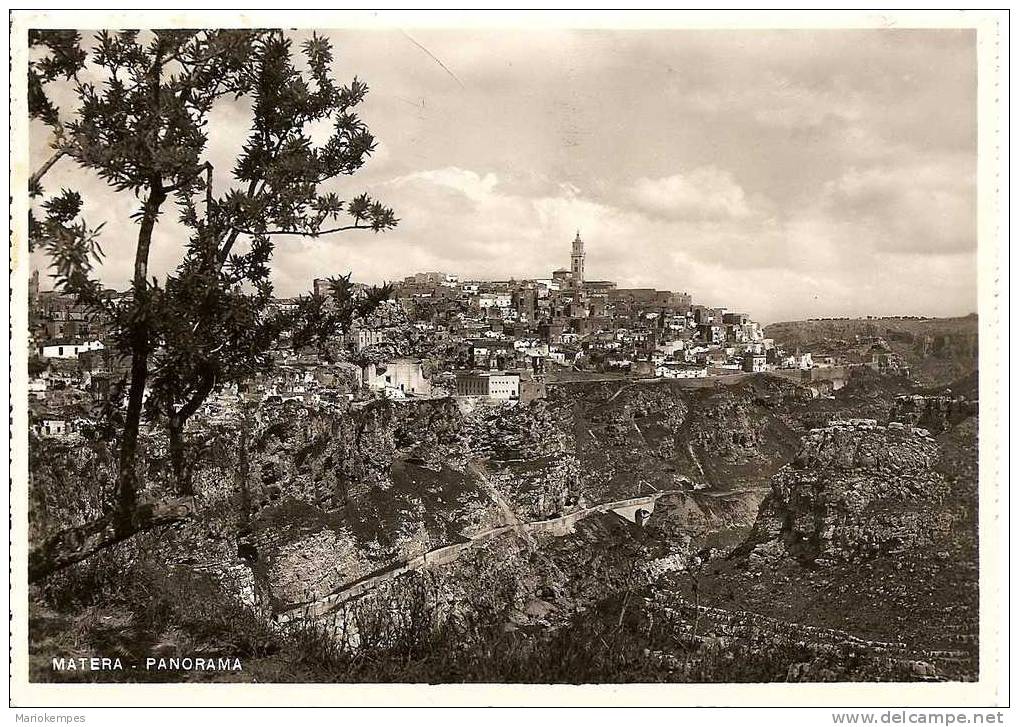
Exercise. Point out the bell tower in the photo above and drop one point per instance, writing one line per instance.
(577, 260)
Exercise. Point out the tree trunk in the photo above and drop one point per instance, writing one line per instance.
(127, 518)
(175, 427)
(77, 543)
(243, 469)
(127, 486)
(176, 420)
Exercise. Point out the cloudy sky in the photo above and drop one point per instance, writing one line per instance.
(789, 174)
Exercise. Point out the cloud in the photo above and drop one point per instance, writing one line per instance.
(705, 192)
(470, 184)
(785, 173)
(823, 257)
(923, 207)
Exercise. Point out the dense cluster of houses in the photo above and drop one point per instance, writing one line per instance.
(538, 328)
(482, 342)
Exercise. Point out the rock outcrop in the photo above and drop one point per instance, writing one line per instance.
(518, 432)
(855, 488)
(934, 413)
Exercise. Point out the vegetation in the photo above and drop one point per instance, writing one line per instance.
(183, 613)
(143, 130)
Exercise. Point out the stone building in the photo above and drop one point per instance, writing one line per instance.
(503, 386)
(755, 362)
(404, 375)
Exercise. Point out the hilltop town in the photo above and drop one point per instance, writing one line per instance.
(488, 467)
(325, 384)
(481, 342)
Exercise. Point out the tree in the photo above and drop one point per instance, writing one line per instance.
(144, 131)
(64, 59)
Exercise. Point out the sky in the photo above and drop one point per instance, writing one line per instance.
(786, 174)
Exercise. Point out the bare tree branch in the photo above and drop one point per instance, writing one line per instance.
(33, 181)
(306, 233)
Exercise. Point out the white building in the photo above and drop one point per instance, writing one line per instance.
(403, 375)
(37, 387)
(368, 337)
(68, 349)
(681, 371)
(504, 386)
(52, 428)
(755, 362)
(546, 286)
(670, 348)
(494, 300)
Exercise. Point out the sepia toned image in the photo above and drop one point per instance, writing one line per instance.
(551, 354)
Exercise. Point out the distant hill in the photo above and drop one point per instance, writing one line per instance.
(819, 330)
(938, 350)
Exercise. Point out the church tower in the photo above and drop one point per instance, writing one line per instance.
(577, 259)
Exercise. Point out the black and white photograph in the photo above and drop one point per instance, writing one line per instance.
(589, 350)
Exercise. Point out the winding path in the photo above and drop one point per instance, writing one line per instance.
(449, 553)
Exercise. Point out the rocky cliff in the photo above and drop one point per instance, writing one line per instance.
(854, 488)
(664, 435)
(867, 531)
(935, 413)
